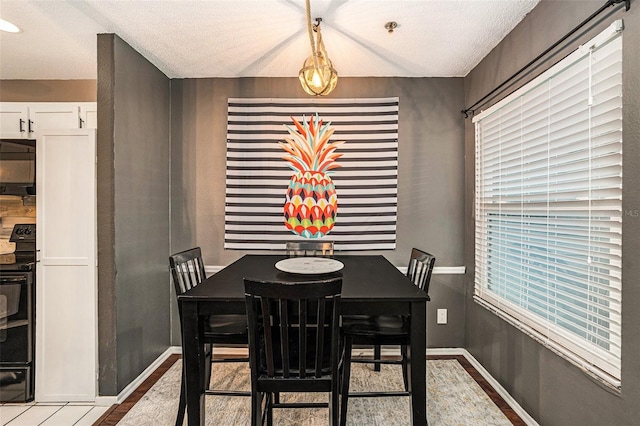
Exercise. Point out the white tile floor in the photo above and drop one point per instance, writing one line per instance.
(36, 414)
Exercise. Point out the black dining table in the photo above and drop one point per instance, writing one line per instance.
(371, 286)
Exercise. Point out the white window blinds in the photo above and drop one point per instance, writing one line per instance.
(548, 206)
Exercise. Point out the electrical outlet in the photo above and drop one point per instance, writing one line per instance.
(442, 316)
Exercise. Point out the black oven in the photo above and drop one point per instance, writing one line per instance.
(17, 317)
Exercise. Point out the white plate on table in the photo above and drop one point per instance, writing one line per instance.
(309, 265)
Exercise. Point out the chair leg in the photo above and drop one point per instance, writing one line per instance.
(334, 406)
(405, 377)
(346, 376)
(208, 360)
(182, 405)
(256, 409)
(269, 409)
(377, 354)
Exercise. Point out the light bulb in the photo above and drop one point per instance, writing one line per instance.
(316, 79)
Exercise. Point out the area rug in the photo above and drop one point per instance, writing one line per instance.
(453, 398)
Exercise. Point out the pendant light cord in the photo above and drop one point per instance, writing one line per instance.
(313, 45)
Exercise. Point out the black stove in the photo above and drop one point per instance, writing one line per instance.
(17, 317)
(24, 257)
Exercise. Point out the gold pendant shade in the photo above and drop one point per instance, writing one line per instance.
(318, 80)
(317, 76)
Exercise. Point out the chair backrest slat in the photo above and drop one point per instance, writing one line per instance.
(420, 268)
(284, 341)
(302, 337)
(268, 333)
(306, 326)
(320, 335)
(187, 269)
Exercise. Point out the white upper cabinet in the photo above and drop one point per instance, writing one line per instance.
(54, 116)
(21, 120)
(14, 118)
(88, 115)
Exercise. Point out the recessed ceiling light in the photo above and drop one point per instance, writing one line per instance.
(8, 27)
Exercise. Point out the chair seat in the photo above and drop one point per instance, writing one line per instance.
(375, 326)
(227, 326)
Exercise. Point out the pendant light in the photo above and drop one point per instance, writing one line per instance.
(317, 76)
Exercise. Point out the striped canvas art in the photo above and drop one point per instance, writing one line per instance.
(258, 177)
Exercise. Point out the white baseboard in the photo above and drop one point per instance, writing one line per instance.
(106, 401)
(448, 351)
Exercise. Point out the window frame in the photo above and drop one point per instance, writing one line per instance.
(498, 244)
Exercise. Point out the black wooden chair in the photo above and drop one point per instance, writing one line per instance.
(382, 330)
(310, 248)
(187, 271)
(293, 343)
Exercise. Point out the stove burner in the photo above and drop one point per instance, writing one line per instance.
(23, 232)
(24, 256)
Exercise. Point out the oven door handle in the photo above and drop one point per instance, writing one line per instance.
(12, 280)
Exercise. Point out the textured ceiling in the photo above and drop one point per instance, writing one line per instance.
(256, 38)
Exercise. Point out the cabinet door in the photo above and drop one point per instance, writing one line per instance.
(66, 294)
(88, 115)
(54, 116)
(13, 120)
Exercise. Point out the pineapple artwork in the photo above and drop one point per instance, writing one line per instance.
(311, 203)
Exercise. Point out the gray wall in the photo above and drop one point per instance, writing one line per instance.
(549, 388)
(430, 181)
(133, 221)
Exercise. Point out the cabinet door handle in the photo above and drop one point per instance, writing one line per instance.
(81, 123)
(30, 129)
(21, 125)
